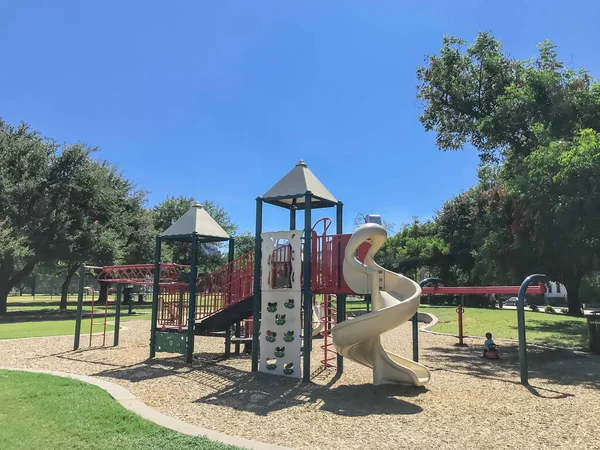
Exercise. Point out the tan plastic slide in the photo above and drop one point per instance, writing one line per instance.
(395, 300)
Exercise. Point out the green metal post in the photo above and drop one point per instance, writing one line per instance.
(415, 320)
(256, 304)
(118, 314)
(192, 303)
(307, 287)
(79, 306)
(230, 258)
(293, 218)
(341, 298)
(231, 254)
(155, 293)
(228, 342)
(521, 324)
(237, 334)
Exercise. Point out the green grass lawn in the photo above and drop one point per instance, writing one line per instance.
(17, 330)
(39, 411)
(49, 328)
(47, 303)
(540, 327)
(40, 316)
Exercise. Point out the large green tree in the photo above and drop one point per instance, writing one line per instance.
(108, 222)
(477, 95)
(61, 207)
(508, 109)
(244, 243)
(560, 194)
(31, 225)
(416, 245)
(88, 198)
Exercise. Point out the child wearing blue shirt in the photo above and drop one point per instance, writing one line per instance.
(489, 344)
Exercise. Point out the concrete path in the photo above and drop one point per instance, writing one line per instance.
(130, 402)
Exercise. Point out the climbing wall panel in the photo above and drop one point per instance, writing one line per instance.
(281, 318)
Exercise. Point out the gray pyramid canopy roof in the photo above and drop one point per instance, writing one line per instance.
(290, 190)
(196, 220)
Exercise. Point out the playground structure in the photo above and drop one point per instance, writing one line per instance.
(290, 289)
(274, 290)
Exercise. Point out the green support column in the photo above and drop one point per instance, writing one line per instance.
(307, 286)
(341, 298)
(118, 314)
(192, 303)
(230, 258)
(155, 293)
(521, 324)
(256, 304)
(293, 218)
(237, 334)
(415, 320)
(231, 253)
(79, 306)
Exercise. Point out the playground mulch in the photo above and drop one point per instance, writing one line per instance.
(470, 403)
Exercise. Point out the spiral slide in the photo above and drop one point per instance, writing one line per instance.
(395, 300)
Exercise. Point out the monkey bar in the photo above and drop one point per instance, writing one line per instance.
(501, 290)
(141, 273)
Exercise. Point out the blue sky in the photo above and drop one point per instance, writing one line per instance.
(218, 100)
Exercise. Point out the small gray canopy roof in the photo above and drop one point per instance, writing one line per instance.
(196, 220)
(290, 190)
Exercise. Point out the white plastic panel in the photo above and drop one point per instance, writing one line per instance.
(281, 318)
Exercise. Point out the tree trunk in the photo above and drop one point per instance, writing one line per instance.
(21, 289)
(573, 296)
(3, 300)
(7, 282)
(103, 294)
(64, 289)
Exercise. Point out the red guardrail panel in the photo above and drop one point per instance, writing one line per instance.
(225, 286)
(327, 267)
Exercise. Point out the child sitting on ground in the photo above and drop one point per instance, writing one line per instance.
(489, 344)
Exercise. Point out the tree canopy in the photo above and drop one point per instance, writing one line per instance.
(534, 124)
(61, 207)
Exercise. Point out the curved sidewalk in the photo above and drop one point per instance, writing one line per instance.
(130, 402)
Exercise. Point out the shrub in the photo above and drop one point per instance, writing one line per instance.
(549, 309)
(564, 310)
(534, 308)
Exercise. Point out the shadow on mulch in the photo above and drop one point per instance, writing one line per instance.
(555, 366)
(262, 393)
